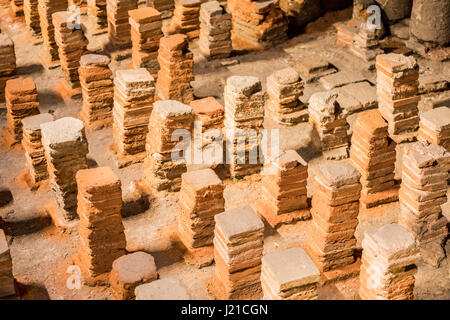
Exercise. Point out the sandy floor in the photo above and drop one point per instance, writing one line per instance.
(41, 258)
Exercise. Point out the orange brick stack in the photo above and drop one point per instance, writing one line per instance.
(7, 287)
(46, 8)
(22, 101)
(284, 197)
(118, 25)
(258, 24)
(66, 150)
(388, 264)
(146, 33)
(185, 18)
(397, 91)
(285, 87)
(215, 31)
(372, 152)
(434, 127)
(209, 113)
(32, 144)
(177, 69)
(17, 7)
(201, 198)
(97, 91)
(96, 10)
(161, 170)
(100, 226)
(8, 62)
(72, 44)
(32, 21)
(422, 193)
(134, 93)
(238, 249)
(335, 208)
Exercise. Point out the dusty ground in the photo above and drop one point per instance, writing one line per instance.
(41, 258)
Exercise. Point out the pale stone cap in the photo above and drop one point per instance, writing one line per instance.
(236, 222)
(164, 289)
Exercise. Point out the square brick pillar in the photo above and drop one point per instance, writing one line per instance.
(422, 193)
(100, 226)
(238, 249)
(373, 153)
(8, 66)
(389, 264)
(397, 92)
(97, 90)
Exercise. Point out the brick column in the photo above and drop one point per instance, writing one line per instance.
(284, 88)
(96, 10)
(118, 25)
(72, 44)
(422, 193)
(289, 275)
(161, 170)
(49, 54)
(434, 127)
(238, 248)
(134, 93)
(66, 148)
(335, 207)
(177, 69)
(8, 65)
(215, 31)
(373, 153)
(97, 90)
(32, 20)
(22, 101)
(244, 117)
(330, 121)
(397, 89)
(201, 198)
(146, 33)
(34, 150)
(164, 6)
(100, 226)
(6, 275)
(284, 195)
(388, 264)
(185, 18)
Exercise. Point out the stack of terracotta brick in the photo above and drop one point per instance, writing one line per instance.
(32, 144)
(165, 162)
(72, 44)
(284, 88)
(146, 33)
(289, 275)
(7, 287)
(389, 259)
(97, 91)
(434, 127)
(8, 65)
(397, 91)
(164, 6)
(46, 8)
(134, 93)
(335, 208)
(330, 121)
(244, 117)
(258, 24)
(177, 69)
(22, 101)
(96, 10)
(238, 249)
(210, 114)
(118, 24)
(201, 198)
(130, 271)
(373, 153)
(284, 194)
(215, 31)
(100, 226)
(17, 8)
(185, 18)
(32, 21)
(66, 149)
(422, 193)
